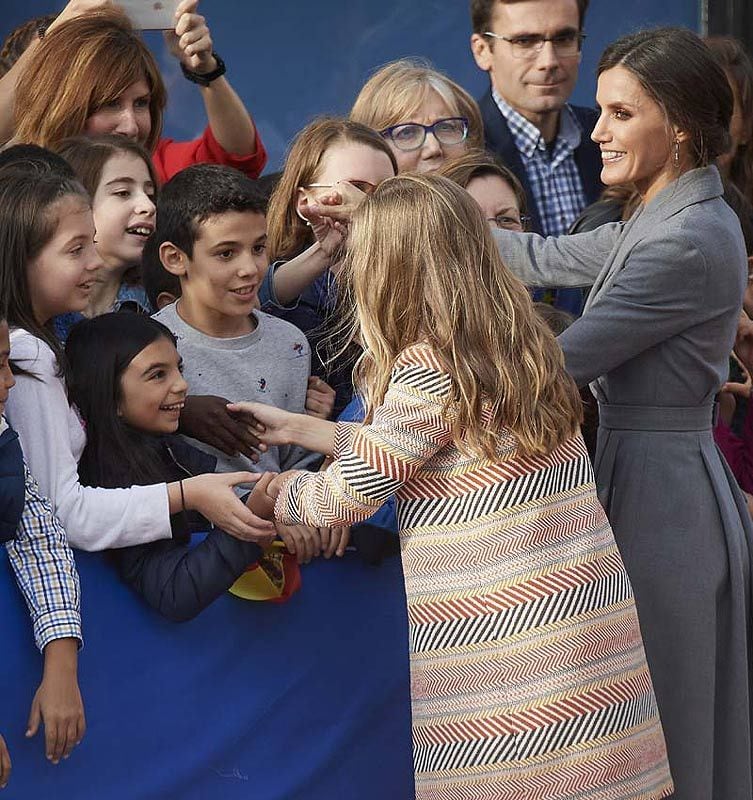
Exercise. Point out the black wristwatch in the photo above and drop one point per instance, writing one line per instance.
(205, 78)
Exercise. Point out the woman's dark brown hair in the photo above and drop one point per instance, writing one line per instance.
(678, 71)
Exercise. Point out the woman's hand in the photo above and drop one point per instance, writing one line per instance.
(207, 419)
(191, 41)
(744, 342)
(5, 765)
(261, 503)
(57, 701)
(212, 496)
(320, 398)
(273, 426)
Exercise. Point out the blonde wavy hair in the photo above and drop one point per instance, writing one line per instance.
(422, 267)
(395, 92)
(78, 67)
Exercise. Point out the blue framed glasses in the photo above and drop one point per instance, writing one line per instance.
(412, 135)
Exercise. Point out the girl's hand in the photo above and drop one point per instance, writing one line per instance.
(5, 765)
(320, 398)
(206, 418)
(58, 702)
(212, 495)
(334, 541)
(302, 541)
(191, 41)
(271, 425)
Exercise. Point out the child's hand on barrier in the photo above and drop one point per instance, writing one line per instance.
(5, 765)
(320, 398)
(206, 418)
(58, 702)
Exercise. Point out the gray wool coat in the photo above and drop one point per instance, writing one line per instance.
(654, 343)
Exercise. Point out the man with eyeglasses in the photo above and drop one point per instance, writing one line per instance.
(531, 50)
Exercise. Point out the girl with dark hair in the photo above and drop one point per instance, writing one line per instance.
(654, 343)
(48, 265)
(118, 175)
(126, 381)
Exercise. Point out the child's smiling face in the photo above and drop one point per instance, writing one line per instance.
(153, 390)
(220, 282)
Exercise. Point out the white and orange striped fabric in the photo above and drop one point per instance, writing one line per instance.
(528, 675)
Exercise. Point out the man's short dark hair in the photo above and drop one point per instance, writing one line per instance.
(197, 194)
(482, 10)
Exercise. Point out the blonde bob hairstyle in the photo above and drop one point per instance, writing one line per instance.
(422, 267)
(396, 92)
(287, 234)
(78, 67)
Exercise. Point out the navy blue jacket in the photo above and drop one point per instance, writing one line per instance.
(175, 579)
(499, 140)
(12, 484)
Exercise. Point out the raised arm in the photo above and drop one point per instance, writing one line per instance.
(372, 462)
(228, 118)
(567, 261)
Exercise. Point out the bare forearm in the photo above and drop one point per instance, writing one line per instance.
(228, 118)
(311, 433)
(293, 277)
(61, 655)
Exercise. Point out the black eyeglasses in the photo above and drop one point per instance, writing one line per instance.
(412, 135)
(509, 223)
(529, 45)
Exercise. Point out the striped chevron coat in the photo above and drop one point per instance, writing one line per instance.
(528, 674)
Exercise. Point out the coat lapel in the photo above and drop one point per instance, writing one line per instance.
(694, 186)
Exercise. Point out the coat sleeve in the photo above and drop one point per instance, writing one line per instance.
(374, 461)
(563, 261)
(179, 582)
(656, 295)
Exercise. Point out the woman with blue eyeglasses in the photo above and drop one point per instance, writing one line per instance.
(425, 117)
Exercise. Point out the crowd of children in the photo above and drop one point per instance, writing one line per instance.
(214, 379)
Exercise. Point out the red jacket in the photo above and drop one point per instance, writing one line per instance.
(171, 157)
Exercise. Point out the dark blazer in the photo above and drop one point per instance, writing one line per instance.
(499, 140)
(12, 486)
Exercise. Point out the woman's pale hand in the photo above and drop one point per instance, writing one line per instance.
(261, 503)
(302, 541)
(212, 496)
(190, 41)
(334, 541)
(271, 425)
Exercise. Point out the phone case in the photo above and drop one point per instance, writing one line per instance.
(150, 15)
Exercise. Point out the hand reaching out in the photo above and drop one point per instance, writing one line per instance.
(190, 41)
(207, 419)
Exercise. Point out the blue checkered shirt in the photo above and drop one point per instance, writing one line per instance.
(45, 570)
(553, 174)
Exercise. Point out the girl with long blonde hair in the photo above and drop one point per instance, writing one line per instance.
(510, 564)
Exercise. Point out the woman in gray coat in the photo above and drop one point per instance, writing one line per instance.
(654, 342)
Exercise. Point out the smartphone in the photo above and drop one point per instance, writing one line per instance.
(150, 15)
